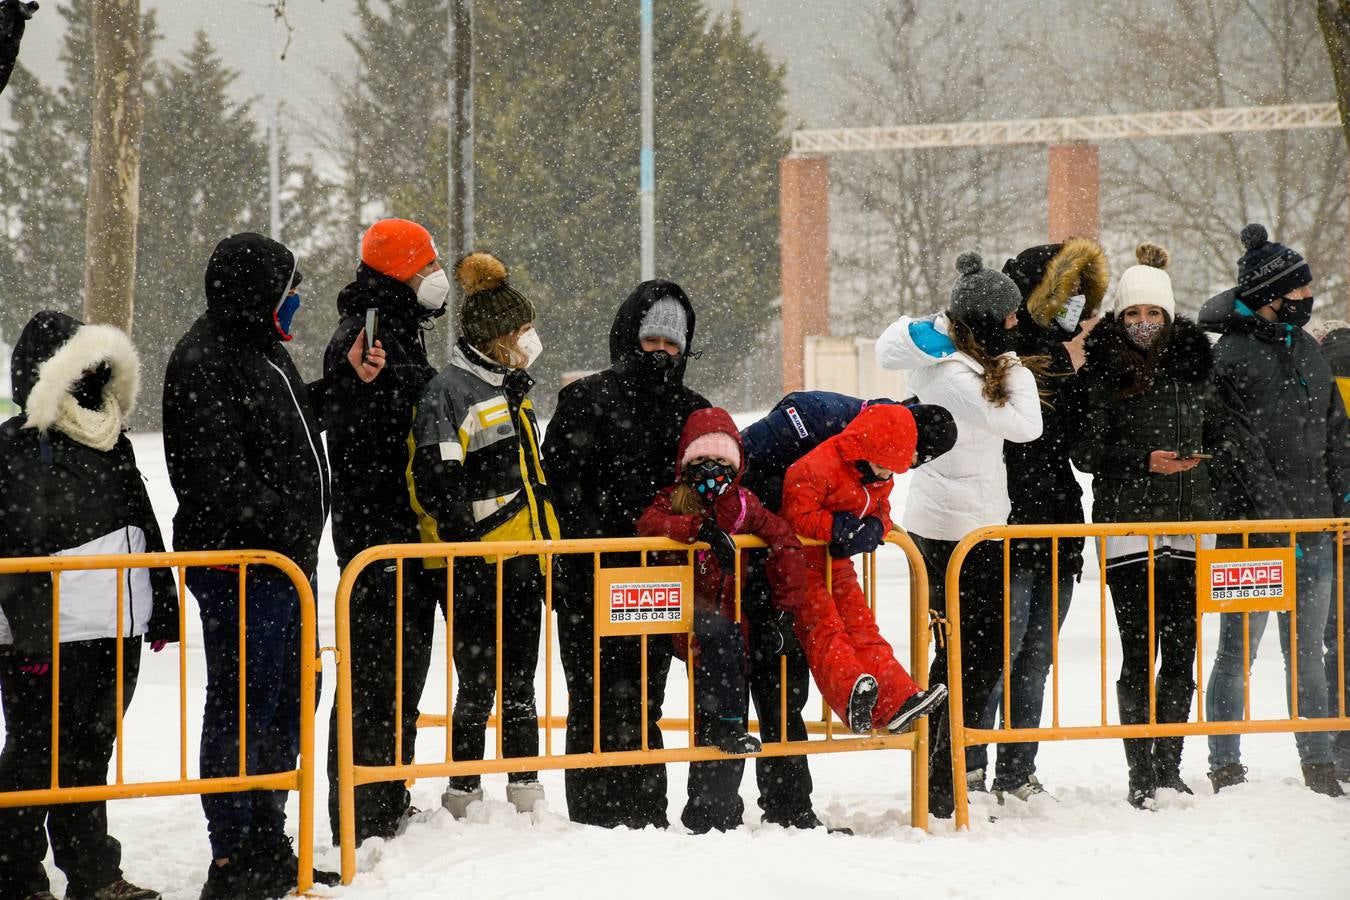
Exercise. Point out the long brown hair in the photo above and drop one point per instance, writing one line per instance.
(505, 350)
(684, 501)
(996, 368)
(1141, 364)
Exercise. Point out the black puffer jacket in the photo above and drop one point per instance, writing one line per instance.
(63, 496)
(241, 436)
(1130, 413)
(368, 423)
(611, 444)
(1292, 438)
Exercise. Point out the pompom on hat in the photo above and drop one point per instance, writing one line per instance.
(1147, 284)
(1268, 270)
(491, 307)
(397, 248)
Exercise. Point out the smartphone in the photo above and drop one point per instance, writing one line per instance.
(372, 323)
(1197, 456)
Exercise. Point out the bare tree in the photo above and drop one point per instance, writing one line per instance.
(1334, 18)
(114, 164)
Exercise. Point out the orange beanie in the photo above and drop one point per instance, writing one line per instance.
(397, 248)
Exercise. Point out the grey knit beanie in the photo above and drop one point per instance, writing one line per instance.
(665, 319)
(981, 293)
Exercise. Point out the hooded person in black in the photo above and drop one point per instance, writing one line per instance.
(14, 16)
(246, 461)
(368, 423)
(609, 449)
(71, 486)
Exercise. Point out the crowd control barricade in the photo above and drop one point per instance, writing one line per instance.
(1240, 580)
(834, 736)
(300, 779)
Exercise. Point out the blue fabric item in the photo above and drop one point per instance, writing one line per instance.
(931, 341)
(285, 313)
(798, 424)
(1242, 308)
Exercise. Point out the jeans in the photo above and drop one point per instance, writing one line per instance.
(1223, 700)
(81, 845)
(272, 683)
(1029, 649)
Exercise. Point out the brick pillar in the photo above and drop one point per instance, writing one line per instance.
(1074, 207)
(804, 210)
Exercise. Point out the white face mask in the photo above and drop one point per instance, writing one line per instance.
(433, 290)
(529, 344)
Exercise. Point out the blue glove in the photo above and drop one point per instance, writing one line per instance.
(851, 535)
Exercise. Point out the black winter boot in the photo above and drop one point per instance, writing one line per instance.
(1321, 778)
(1227, 776)
(277, 868)
(234, 881)
(729, 736)
(861, 703)
(1142, 789)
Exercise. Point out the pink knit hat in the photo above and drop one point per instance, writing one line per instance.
(713, 444)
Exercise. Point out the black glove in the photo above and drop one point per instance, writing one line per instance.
(851, 535)
(773, 633)
(722, 545)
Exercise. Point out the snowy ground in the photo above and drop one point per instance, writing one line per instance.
(1269, 838)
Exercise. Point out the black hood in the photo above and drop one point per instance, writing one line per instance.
(247, 276)
(1336, 349)
(44, 334)
(1220, 314)
(1186, 354)
(624, 347)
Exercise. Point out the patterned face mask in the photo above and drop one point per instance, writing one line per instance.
(1143, 334)
(709, 478)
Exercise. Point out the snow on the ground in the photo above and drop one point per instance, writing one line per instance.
(1269, 838)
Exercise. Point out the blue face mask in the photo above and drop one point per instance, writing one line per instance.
(285, 314)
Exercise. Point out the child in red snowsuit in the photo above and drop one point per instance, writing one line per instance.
(840, 492)
(708, 504)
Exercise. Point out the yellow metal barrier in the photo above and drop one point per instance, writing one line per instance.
(963, 737)
(351, 775)
(300, 779)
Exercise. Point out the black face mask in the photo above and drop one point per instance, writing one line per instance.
(709, 478)
(88, 391)
(656, 367)
(1295, 312)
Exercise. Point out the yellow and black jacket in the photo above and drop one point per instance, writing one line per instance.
(474, 472)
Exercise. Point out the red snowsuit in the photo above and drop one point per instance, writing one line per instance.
(839, 633)
(737, 511)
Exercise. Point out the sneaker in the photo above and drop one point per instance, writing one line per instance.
(121, 889)
(918, 705)
(458, 800)
(1321, 778)
(975, 781)
(730, 736)
(523, 795)
(1172, 782)
(861, 703)
(1227, 776)
(1032, 788)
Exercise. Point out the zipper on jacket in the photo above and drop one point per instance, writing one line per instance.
(309, 437)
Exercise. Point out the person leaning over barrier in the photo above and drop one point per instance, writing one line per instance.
(1291, 460)
(71, 486)
(476, 476)
(610, 447)
(367, 423)
(247, 464)
(1154, 438)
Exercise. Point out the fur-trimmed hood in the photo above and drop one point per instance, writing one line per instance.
(53, 353)
(1187, 355)
(1046, 276)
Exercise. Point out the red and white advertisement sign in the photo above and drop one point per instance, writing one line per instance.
(647, 601)
(1258, 579)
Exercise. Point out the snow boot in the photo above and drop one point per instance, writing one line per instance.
(1227, 776)
(729, 736)
(458, 800)
(121, 889)
(235, 880)
(1142, 790)
(276, 867)
(861, 703)
(975, 781)
(523, 795)
(1171, 781)
(919, 704)
(1321, 777)
(1024, 792)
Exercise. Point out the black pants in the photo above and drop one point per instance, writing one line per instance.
(475, 649)
(1174, 624)
(634, 796)
(380, 806)
(981, 651)
(784, 781)
(81, 845)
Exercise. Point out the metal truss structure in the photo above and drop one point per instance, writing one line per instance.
(1088, 129)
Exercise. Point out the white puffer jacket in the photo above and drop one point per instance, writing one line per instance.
(967, 487)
